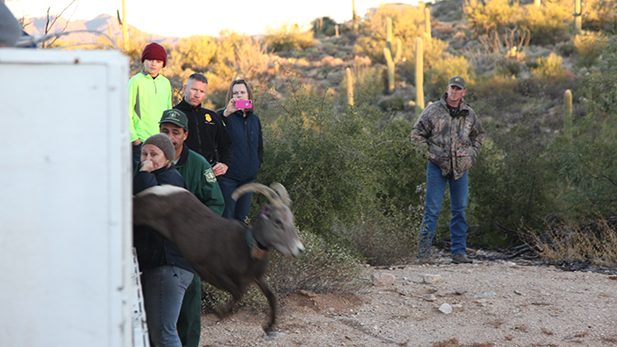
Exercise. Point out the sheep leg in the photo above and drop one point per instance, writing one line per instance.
(263, 286)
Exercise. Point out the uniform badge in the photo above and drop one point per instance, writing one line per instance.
(210, 176)
(208, 118)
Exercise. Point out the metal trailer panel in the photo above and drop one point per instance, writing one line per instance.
(65, 199)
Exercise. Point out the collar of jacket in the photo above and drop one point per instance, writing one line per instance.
(183, 105)
(240, 114)
(184, 155)
(461, 106)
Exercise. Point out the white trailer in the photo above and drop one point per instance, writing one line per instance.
(65, 199)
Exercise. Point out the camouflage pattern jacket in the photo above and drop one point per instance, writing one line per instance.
(451, 142)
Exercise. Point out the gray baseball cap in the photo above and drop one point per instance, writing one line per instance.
(457, 81)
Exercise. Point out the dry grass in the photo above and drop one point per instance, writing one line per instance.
(595, 242)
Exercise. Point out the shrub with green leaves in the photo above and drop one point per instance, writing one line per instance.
(548, 24)
(407, 25)
(589, 46)
(491, 15)
(549, 68)
(288, 37)
(443, 68)
(323, 268)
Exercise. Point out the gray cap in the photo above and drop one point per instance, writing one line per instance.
(176, 117)
(457, 81)
(163, 142)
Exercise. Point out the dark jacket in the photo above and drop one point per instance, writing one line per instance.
(452, 141)
(152, 249)
(200, 179)
(208, 135)
(248, 146)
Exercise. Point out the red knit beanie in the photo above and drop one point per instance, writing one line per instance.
(154, 51)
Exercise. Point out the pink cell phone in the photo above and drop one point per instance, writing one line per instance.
(244, 104)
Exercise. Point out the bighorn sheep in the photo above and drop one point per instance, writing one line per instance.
(226, 253)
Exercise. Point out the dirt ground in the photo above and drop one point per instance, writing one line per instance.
(494, 303)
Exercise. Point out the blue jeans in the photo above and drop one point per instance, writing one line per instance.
(235, 209)
(164, 288)
(459, 192)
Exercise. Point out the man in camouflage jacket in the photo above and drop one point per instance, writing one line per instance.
(449, 134)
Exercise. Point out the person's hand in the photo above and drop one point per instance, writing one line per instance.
(147, 166)
(231, 108)
(137, 142)
(219, 169)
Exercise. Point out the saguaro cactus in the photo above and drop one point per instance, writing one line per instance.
(391, 59)
(427, 22)
(354, 16)
(419, 76)
(349, 87)
(578, 20)
(567, 122)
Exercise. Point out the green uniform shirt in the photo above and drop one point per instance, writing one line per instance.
(201, 181)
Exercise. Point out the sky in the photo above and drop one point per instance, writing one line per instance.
(182, 18)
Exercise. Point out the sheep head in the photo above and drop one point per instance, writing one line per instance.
(275, 225)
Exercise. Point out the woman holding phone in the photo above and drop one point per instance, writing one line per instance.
(245, 130)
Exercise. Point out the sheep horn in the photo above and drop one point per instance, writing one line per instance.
(282, 192)
(259, 188)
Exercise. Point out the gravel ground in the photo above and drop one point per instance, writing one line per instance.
(494, 303)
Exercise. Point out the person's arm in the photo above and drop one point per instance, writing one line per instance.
(209, 191)
(133, 109)
(224, 146)
(476, 135)
(260, 143)
(420, 133)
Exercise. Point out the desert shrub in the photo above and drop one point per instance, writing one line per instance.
(368, 83)
(323, 268)
(324, 26)
(196, 52)
(384, 240)
(565, 49)
(587, 165)
(547, 24)
(288, 37)
(600, 15)
(589, 46)
(508, 67)
(443, 68)
(491, 15)
(407, 23)
(432, 52)
(512, 183)
(317, 151)
(594, 241)
(549, 68)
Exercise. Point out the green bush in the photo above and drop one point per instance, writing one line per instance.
(323, 268)
(491, 15)
(548, 24)
(407, 25)
(589, 46)
(324, 26)
(288, 37)
(549, 68)
(443, 68)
